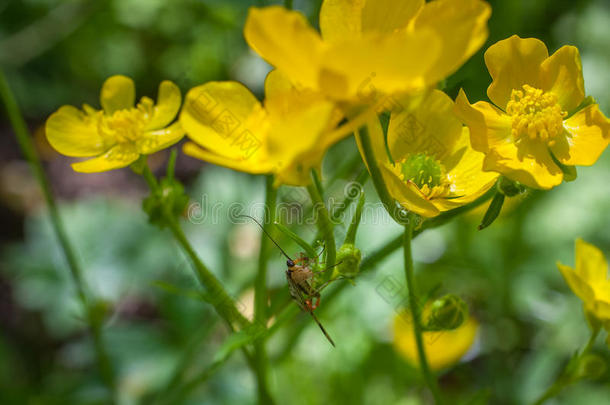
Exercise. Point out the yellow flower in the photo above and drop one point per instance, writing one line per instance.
(287, 136)
(443, 348)
(534, 123)
(120, 133)
(589, 280)
(370, 47)
(431, 167)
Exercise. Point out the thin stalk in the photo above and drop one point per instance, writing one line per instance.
(377, 178)
(325, 226)
(414, 305)
(218, 297)
(27, 147)
(260, 293)
(564, 379)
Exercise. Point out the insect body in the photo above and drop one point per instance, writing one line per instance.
(299, 276)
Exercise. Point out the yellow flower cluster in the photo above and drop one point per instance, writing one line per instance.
(371, 57)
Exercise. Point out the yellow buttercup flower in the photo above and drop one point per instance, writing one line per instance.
(535, 123)
(443, 348)
(120, 133)
(431, 167)
(589, 280)
(369, 48)
(286, 136)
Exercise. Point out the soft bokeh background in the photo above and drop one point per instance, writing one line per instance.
(59, 52)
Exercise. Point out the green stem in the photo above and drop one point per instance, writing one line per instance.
(325, 226)
(27, 147)
(565, 378)
(260, 293)
(218, 297)
(414, 305)
(377, 178)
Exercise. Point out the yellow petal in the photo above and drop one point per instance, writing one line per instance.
(586, 137)
(561, 74)
(168, 105)
(224, 118)
(341, 19)
(303, 150)
(242, 165)
(488, 125)
(433, 128)
(389, 15)
(285, 40)
(461, 26)
(467, 176)
(117, 157)
(277, 84)
(578, 286)
(74, 133)
(407, 194)
(154, 141)
(591, 265)
(512, 63)
(530, 164)
(365, 69)
(118, 93)
(443, 348)
(377, 141)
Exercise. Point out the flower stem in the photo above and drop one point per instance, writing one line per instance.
(377, 178)
(216, 294)
(414, 305)
(565, 378)
(325, 226)
(27, 147)
(260, 293)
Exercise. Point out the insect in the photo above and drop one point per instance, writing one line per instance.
(299, 276)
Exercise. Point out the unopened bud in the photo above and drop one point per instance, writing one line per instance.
(446, 313)
(349, 258)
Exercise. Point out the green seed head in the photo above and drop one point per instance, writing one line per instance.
(422, 169)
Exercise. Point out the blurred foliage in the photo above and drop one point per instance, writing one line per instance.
(59, 52)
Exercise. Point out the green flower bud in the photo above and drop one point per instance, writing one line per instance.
(590, 366)
(168, 198)
(349, 256)
(446, 313)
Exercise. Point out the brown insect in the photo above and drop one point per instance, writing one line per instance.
(300, 276)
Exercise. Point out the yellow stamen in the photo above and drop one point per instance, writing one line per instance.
(536, 115)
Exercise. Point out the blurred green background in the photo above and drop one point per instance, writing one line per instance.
(60, 52)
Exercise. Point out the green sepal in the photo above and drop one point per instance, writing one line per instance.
(493, 211)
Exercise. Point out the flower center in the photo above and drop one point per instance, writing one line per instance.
(123, 126)
(536, 115)
(422, 170)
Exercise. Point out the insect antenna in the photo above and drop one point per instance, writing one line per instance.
(269, 236)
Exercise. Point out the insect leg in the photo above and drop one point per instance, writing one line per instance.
(322, 328)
